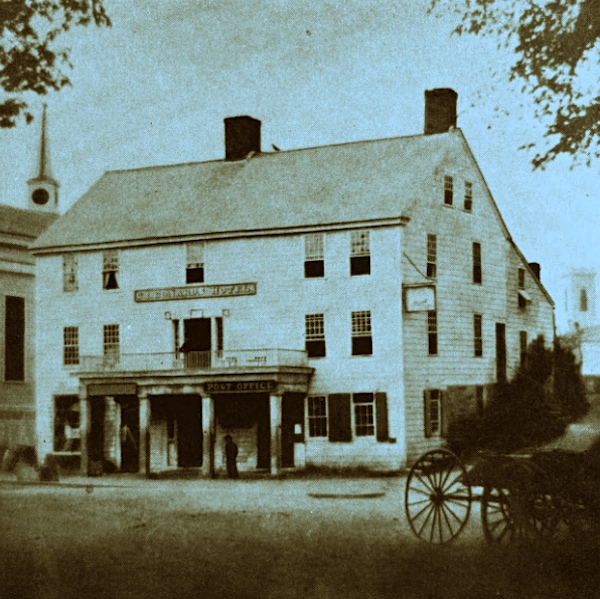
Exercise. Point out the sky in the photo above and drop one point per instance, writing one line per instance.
(155, 87)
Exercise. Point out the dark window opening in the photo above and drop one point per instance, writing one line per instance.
(360, 265)
(14, 341)
(432, 335)
(110, 279)
(194, 275)
(316, 349)
(448, 190)
(362, 346)
(583, 301)
(314, 269)
(477, 273)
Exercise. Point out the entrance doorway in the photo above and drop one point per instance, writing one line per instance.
(129, 434)
(196, 342)
(292, 417)
(189, 432)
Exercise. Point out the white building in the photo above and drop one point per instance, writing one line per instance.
(19, 228)
(332, 306)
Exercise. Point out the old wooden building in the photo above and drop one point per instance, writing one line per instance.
(330, 306)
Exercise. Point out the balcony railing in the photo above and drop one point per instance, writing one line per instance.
(194, 360)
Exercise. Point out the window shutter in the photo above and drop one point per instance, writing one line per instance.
(340, 427)
(427, 414)
(381, 415)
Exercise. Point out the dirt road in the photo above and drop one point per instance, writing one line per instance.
(289, 538)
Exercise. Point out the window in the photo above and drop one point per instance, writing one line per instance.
(70, 273)
(315, 335)
(71, 346)
(14, 338)
(433, 412)
(314, 264)
(317, 416)
(431, 256)
(194, 271)
(432, 332)
(521, 278)
(360, 253)
(523, 347)
(583, 301)
(219, 325)
(364, 412)
(448, 190)
(67, 436)
(110, 269)
(468, 205)
(111, 343)
(477, 275)
(477, 336)
(362, 341)
(176, 341)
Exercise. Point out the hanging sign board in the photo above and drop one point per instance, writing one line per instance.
(419, 298)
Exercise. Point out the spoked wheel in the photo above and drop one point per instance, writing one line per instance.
(520, 509)
(437, 498)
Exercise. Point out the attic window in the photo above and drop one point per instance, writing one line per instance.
(110, 269)
(360, 253)
(468, 205)
(314, 265)
(448, 190)
(194, 272)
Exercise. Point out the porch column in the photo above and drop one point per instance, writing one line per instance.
(144, 435)
(275, 425)
(85, 426)
(208, 436)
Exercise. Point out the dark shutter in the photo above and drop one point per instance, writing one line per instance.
(340, 428)
(381, 416)
(14, 342)
(426, 413)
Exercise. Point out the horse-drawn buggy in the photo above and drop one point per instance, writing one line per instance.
(525, 495)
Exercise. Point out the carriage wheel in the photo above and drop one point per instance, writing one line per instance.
(437, 497)
(519, 510)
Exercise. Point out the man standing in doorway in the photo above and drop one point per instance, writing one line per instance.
(231, 452)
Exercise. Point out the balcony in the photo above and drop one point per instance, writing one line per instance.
(188, 362)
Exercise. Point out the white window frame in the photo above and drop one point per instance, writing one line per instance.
(70, 283)
(431, 256)
(448, 190)
(314, 325)
(364, 414)
(71, 346)
(195, 259)
(111, 342)
(468, 200)
(362, 327)
(317, 416)
(110, 266)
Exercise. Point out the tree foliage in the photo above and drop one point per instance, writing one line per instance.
(545, 395)
(557, 46)
(31, 60)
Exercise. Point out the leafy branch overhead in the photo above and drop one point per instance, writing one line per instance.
(30, 59)
(557, 47)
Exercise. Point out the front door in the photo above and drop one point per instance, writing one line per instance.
(189, 432)
(196, 342)
(292, 417)
(130, 434)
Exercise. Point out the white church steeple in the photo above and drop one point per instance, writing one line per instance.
(43, 188)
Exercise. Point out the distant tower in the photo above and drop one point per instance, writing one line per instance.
(580, 298)
(43, 188)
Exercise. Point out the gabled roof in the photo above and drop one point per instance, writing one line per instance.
(266, 193)
(24, 223)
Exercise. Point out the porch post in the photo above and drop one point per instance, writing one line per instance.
(84, 428)
(144, 450)
(275, 425)
(208, 436)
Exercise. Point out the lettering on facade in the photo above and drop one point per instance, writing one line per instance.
(198, 291)
(239, 386)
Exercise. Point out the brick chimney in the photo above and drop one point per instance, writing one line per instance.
(536, 268)
(242, 136)
(440, 110)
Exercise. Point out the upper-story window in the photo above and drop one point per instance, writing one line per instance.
(448, 190)
(521, 278)
(315, 335)
(110, 269)
(194, 269)
(314, 263)
(477, 273)
(71, 346)
(583, 301)
(431, 256)
(468, 204)
(362, 340)
(112, 343)
(360, 253)
(70, 273)
(433, 412)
